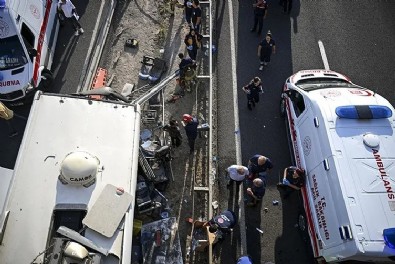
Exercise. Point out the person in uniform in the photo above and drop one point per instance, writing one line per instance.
(265, 49)
(293, 179)
(252, 90)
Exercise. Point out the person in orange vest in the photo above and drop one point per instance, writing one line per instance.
(7, 114)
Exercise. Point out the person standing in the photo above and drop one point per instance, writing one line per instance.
(192, 41)
(7, 114)
(265, 50)
(259, 166)
(68, 9)
(236, 173)
(253, 89)
(293, 179)
(260, 13)
(287, 6)
(188, 11)
(174, 133)
(190, 124)
(196, 16)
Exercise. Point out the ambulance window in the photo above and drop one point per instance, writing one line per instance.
(298, 103)
(28, 36)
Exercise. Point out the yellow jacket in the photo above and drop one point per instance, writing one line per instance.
(5, 112)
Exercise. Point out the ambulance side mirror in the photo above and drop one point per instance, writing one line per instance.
(287, 92)
(32, 53)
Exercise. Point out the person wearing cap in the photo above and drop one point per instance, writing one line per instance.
(293, 179)
(265, 49)
(236, 173)
(188, 9)
(191, 129)
(224, 222)
(7, 114)
(256, 191)
(260, 13)
(252, 90)
(259, 165)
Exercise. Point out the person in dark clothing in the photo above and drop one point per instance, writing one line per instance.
(253, 89)
(188, 11)
(260, 13)
(265, 50)
(224, 222)
(256, 191)
(174, 133)
(184, 64)
(293, 179)
(190, 124)
(196, 16)
(259, 165)
(287, 6)
(193, 42)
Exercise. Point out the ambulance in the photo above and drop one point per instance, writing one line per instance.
(28, 34)
(343, 136)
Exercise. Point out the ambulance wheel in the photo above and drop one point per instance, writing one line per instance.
(282, 107)
(46, 81)
(302, 226)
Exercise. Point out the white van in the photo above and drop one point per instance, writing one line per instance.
(28, 34)
(343, 136)
(72, 195)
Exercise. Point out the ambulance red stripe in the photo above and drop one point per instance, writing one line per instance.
(41, 40)
(306, 206)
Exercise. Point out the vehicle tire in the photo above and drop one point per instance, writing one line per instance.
(282, 107)
(46, 81)
(302, 226)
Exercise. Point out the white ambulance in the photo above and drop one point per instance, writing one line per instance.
(343, 136)
(28, 34)
(72, 195)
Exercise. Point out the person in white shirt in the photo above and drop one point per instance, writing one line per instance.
(236, 173)
(68, 9)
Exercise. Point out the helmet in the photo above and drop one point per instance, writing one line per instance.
(187, 118)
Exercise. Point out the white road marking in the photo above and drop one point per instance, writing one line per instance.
(241, 211)
(234, 83)
(323, 55)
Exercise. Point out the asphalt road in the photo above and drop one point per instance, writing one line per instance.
(359, 42)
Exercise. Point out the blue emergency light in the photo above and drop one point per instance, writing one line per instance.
(2, 4)
(389, 237)
(363, 111)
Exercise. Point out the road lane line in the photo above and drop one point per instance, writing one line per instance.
(323, 55)
(241, 218)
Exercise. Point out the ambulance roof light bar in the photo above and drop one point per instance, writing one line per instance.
(2, 4)
(363, 111)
